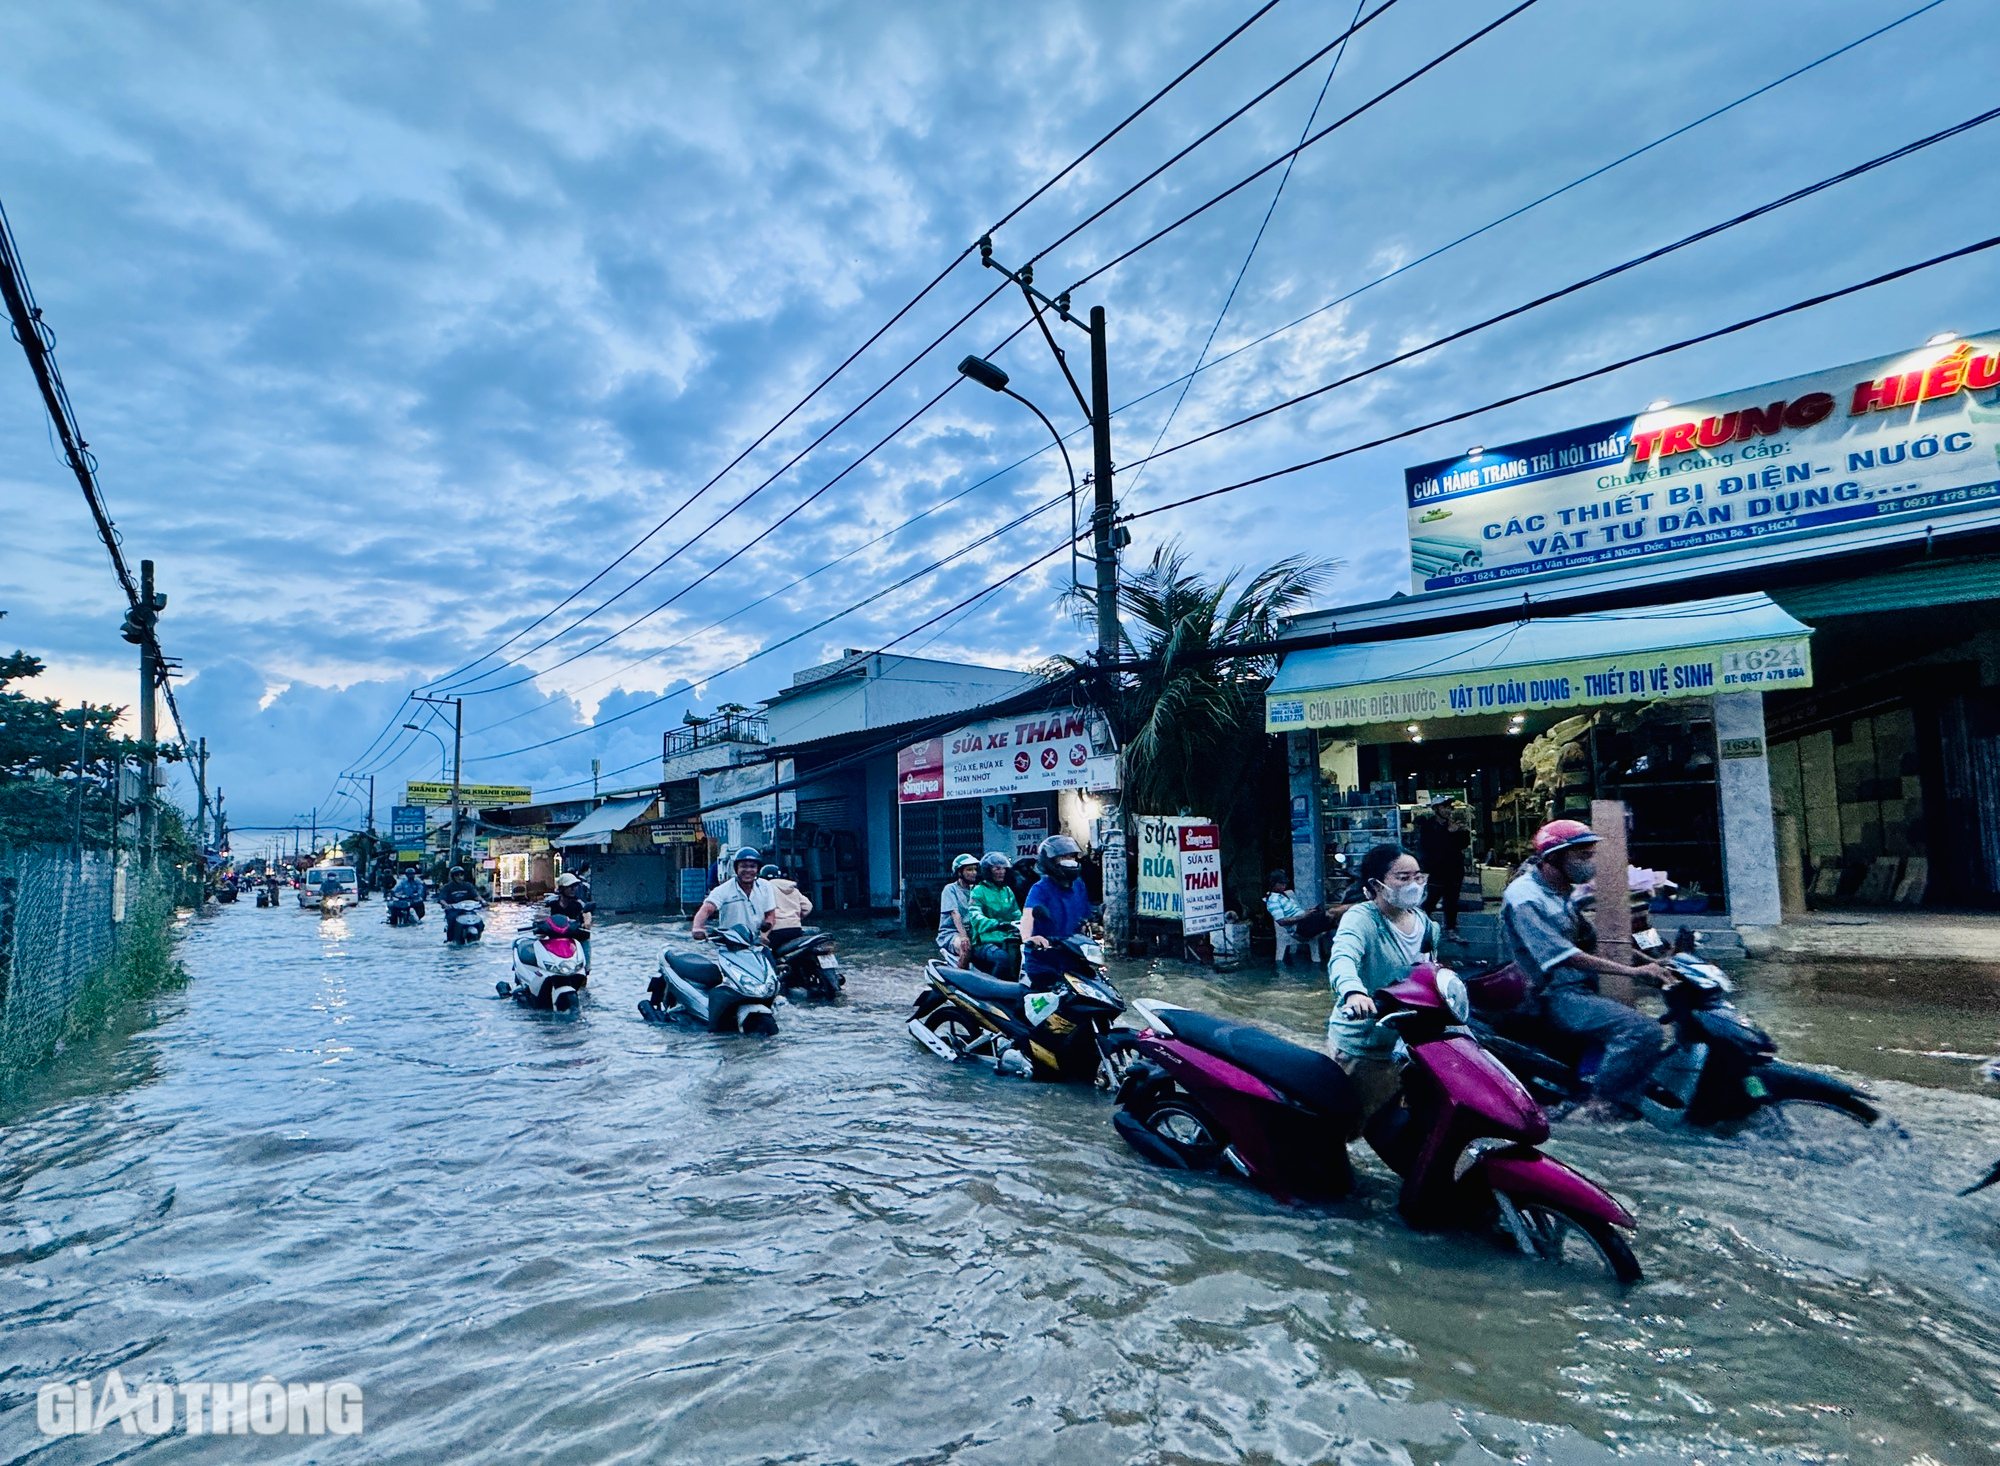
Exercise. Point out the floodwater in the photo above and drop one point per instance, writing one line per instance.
(338, 1156)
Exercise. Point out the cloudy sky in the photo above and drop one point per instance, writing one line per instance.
(392, 323)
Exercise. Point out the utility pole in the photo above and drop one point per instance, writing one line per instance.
(221, 822)
(1106, 539)
(139, 622)
(201, 811)
(82, 760)
(313, 847)
(457, 758)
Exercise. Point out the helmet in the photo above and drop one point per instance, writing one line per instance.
(960, 862)
(749, 853)
(1560, 835)
(563, 881)
(1060, 859)
(458, 872)
(995, 860)
(770, 872)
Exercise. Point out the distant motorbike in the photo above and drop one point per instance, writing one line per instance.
(550, 968)
(464, 921)
(1207, 1093)
(405, 911)
(266, 897)
(1054, 1028)
(332, 903)
(808, 962)
(1719, 1068)
(732, 988)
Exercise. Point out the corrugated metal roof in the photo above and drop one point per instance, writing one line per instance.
(1946, 583)
(597, 827)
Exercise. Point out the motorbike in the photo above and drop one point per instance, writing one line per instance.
(1051, 1028)
(266, 897)
(550, 968)
(403, 911)
(807, 961)
(332, 903)
(734, 990)
(1206, 1093)
(464, 921)
(1719, 1068)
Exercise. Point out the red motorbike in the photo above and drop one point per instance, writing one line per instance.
(1206, 1092)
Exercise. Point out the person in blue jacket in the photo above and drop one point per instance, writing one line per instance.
(1056, 908)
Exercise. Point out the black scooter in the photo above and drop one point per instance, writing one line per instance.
(1720, 1068)
(1054, 1027)
(807, 962)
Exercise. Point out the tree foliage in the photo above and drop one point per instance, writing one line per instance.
(46, 752)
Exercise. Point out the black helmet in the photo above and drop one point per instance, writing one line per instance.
(1060, 859)
(458, 872)
(770, 872)
(749, 853)
(994, 861)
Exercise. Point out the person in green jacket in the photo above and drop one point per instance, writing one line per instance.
(994, 918)
(1377, 943)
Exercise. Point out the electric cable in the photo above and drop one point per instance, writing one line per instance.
(1743, 325)
(1845, 175)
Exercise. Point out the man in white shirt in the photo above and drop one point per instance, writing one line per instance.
(746, 904)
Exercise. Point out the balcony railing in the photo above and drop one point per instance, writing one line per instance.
(723, 728)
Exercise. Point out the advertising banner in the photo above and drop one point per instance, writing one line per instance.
(1201, 878)
(1913, 437)
(1030, 827)
(471, 796)
(1029, 754)
(406, 826)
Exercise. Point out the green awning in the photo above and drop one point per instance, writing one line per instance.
(1693, 649)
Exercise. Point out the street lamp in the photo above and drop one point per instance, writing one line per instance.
(444, 754)
(993, 379)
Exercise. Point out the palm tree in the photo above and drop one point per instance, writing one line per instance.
(1192, 723)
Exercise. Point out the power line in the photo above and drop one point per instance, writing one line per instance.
(1283, 157)
(1743, 325)
(1602, 275)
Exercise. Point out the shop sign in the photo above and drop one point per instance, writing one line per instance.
(686, 832)
(1030, 827)
(1163, 890)
(1030, 754)
(406, 826)
(1622, 677)
(1911, 438)
(471, 796)
(1201, 878)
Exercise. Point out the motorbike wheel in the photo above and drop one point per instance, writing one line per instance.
(1182, 1124)
(1560, 1237)
(1119, 1054)
(1786, 1084)
(951, 1025)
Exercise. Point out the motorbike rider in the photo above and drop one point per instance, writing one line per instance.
(954, 934)
(744, 904)
(793, 907)
(994, 918)
(410, 888)
(458, 888)
(1057, 907)
(1376, 944)
(1539, 925)
(568, 901)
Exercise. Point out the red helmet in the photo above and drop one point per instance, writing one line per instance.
(1560, 835)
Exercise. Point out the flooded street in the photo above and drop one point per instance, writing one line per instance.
(338, 1156)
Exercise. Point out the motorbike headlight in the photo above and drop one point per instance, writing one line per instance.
(1093, 953)
(1452, 989)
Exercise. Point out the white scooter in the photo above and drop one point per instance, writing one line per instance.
(550, 967)
(734, 990)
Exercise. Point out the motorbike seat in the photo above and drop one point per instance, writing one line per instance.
(986, 989)
(696, 968)
(1312, 1079)
(797, 945)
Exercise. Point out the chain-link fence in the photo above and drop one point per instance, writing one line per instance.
(76, 936)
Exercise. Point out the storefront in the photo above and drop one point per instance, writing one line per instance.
(1661, 709)
(1823, 728)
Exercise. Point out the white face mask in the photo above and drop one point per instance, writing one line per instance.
(1581, 871)
(1408, 896)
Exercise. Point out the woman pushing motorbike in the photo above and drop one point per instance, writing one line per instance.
(1376, 944)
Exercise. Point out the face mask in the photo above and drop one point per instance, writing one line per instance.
(1581, 871)
(1408, 897)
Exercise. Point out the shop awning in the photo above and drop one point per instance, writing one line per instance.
(597, 827)
(1692, 649)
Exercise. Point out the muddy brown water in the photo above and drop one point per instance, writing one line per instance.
(338, 1156)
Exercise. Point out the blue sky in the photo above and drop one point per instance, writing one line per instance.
(392, 323)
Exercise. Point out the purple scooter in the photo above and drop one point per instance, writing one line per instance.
(1207, 1092)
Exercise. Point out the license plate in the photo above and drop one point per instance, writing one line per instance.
(829, 964)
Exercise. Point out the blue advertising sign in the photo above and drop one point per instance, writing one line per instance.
(406, 826)
(1914, 437)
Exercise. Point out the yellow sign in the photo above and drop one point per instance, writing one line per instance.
(470, 795)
